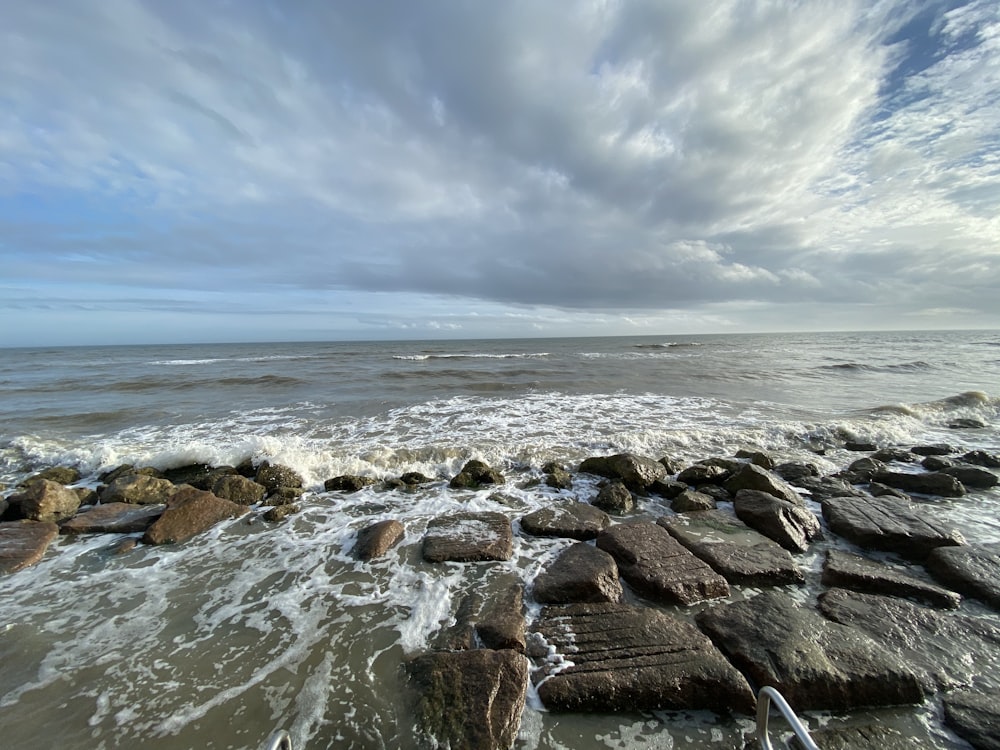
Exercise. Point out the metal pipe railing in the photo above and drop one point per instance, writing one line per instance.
(765, 698)
(278, 741)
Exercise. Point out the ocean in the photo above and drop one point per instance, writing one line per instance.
(251, 626)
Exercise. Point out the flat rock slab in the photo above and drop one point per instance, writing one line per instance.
(23, 543)
(946, 649)
(789, 524)
(378, 538)
(815, 663)
(888, 523)
(868, 737)
(113, 518)
(616, 657)
(571, 520)
(469, 537)
(581, 573)
(845, 570)
(925, 483)
(493, 620)
(658, 567)
(974, 570)
(975, 716)
(470, 699)
(733, 549)
(190, 512)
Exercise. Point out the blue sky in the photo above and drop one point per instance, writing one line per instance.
(241, 171)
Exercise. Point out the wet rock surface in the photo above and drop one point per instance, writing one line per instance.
(141, 489)
(189, 512)
(470, 699)
(849, 571)
(973, 570)
(658, 567)
(378, 538)
(946, 649)
(45, 500)
(581, 573)
(733, 549)
(627, 658)
(925, 483)
(789, 524)
(571, 520)
(614, 497)
(889, 524)
(469, 537)
(815, 663)
(117, 518)
(637, 473)
(975, 716)
(475, 474)
(23, 543)
(752, 477)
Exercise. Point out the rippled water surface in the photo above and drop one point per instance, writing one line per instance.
(251, 626)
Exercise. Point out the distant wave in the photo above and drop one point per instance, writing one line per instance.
(422, 357)
(214, 360)
(667, 345)
(970, 403)
(916, 366)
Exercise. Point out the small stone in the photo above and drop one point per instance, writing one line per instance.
(280, 512)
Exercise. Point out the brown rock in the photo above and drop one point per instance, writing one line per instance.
(581, 573)
(238, 489)
(469, 537)
(572, 520)
(45, 500)
(141, 489)
(23, 543)
(637, 473)
(692, 500)
(113, 518)
(614, 497)
(475, 474)
(190, 512)
(349, 483)
(858, 573)
(275, 476)
(375, 540)
(280, 512)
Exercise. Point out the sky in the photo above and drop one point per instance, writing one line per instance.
(262, 170)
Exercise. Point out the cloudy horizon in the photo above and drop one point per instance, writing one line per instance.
(304, 170)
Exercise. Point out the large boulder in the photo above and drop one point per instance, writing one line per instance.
(201, 476)
(581, 573)
(701, 473)
(487, 619)
(972, 476)
(45, 500)
(468, 537)
(888, 524)
(470, 699)
(821, 488)
(659, 567)
(572, 520)
(850, 571)
(23, 543)
(189, 512)
(475, 474)
(636, 472)
(974, 570)
(57, 474)
(734, 550)
(975, 716)
(276, 476)
(945, 649)
(141, 489)
(790, 525)
(238, 489)
(751, 477)
(349, 483)
(982, 458)
(689, 501)
(378, 538)
(616, 657)
(816, 664)
(113, 518)
(614, 497)
(923, 483)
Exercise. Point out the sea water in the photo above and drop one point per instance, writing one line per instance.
(250, 627)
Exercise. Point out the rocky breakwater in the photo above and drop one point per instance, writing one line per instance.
(692, 589)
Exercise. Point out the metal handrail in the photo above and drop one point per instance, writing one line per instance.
(278, 741)
(765, 697)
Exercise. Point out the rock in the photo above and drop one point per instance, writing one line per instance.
(982, 458)
(757, 458)
(966, 423)
(189, 512)
(697, 474)
(348, 483)
(470, 699)
(57, 474)
(87, 495)
(790, 525)
(626, 658)
(375, 540)
(821, 488)
(658, 567)
(888, 524)
(475, 474)
(849, 571)
(734, 550)
(113, 518)
(936, 463)
(558, 478)
(816, 664)
(973, 571)
(859, 447)
(668, 488)
(888, 455)
(279, 512)
(945, 650)
(413, 478)
(572, 519)
(285, 496)
(672, 465)
(23, 543)
(468, 537)
(238, 489)
(201, 476)
(924, 483)
(936, 449)
(581, 573)
(119, 471)
(862, 470)
(793, 471)
(876, 489)
(500, 623)
(614, 497)
(869, 737)
(751, 477)
(975, 716)
(721, 494)
(636, 472)
(141, 489)
(692, 500)
(972, 476)
(275, 476)
(45, 500)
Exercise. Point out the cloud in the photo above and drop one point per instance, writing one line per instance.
(585, 156)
